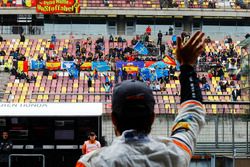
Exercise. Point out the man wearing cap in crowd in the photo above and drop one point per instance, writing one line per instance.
(91, 144)
(133, 115)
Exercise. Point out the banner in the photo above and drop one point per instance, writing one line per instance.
(101, 66)
(121, 64)
(168, 60)
(86, 66)
(22, 66)
(140, 48)
(66, 64)
(57, 6)
(37, 65)
(53, 65)
(159, 64)
(73, 71)
(131, 69)
(149, 63)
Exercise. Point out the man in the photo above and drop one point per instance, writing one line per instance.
(159, 41)
(91, 144)
(133, 115)
(5, 149)
(148, 30)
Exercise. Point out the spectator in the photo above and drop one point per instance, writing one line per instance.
(206, 87)
(1, 38)
(235, 94)
(54, 76)
(132, 2)
(148, 30)
(22, 37)
(107, 90)
(174, 38)
(111, 38)
(159, 40)
(5, 149)
(53, 38)
(91, 144)
(89, 80)
(170, 30)
(162, 50)
(33, 78)
(134, 41)
(133, 115)
(106, 2)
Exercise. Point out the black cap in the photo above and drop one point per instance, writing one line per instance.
(132, 97)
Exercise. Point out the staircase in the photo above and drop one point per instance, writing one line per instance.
(4, 78)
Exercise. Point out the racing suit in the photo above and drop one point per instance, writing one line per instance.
(133, 149)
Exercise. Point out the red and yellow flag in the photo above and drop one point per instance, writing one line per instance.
(53, 65)
(131, 69)
(168, 60)
(23, 66)
(86, 66)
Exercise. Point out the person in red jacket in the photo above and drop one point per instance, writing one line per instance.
(148, 30)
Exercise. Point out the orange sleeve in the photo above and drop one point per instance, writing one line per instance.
(84, 149)
(79, 164)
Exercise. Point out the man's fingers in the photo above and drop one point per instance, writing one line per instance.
(201, 45)
(198, 40)
(191, 40)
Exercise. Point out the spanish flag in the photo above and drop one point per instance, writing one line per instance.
(131, 69)
(23, 66)
(86, 66)
(168, 60)
(53, 65)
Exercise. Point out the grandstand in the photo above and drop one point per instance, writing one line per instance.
(84, 39)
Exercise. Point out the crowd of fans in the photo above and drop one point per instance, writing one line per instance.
(217, 59)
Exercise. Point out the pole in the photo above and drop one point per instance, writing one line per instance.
(233, 144)
(216, 131)
(247, 137)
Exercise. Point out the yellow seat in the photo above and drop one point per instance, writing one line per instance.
(168, 86)
(64, 89)
(216, 98)
(165, 97)
(56, 101)
(80, 97)
(9, 84)
(75, 85)
(49, 77)
(40, 97)
(46, 97)
(91, 90)
(57, 97)
(102, 89)
(167, 106)
(73, 100)
(214, 108)
(37, 84)
(42, 89)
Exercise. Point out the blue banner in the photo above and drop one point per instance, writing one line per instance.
(101, 66)
(66, 64)
(37, 65)
(159, 64)
(73, 71)
(140, 48)
(120, 64)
